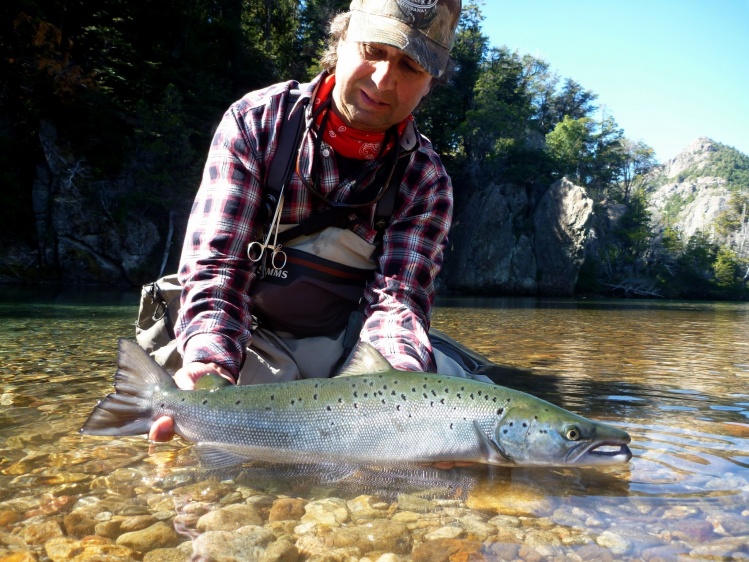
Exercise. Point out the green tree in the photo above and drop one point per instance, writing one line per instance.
(570, 144)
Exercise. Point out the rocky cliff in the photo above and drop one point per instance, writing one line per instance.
(503, 243)
(682, 192)
(506, 239)
(695, 191)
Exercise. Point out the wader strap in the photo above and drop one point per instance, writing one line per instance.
(282, 165)
(334, 216)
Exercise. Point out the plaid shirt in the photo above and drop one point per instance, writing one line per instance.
(215, 318)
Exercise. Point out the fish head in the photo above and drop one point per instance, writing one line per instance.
(546, 435)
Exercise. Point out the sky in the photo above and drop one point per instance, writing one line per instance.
(668, 71)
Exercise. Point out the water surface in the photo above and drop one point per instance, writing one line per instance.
(672, 374)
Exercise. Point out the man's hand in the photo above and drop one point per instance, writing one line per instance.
(163, 428)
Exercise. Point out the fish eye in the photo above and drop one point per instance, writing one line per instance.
(573, 433)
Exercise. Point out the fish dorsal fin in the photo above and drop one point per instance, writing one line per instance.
(365, 360)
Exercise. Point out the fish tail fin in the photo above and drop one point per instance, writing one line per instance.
(129, 410)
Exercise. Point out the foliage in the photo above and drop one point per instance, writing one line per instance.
(133, 90)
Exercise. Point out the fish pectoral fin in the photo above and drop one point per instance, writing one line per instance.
(220, 455)
(490, 451)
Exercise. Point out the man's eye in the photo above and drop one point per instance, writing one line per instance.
(373, 51)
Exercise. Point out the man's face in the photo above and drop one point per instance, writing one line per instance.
(376, 85)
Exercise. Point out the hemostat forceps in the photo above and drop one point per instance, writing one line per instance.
(256, 250)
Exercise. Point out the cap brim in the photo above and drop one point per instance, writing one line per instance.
(372, 28)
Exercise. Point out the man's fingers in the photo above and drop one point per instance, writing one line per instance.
(162, 429)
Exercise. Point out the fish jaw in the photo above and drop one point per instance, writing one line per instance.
(541, 434)
(608, 447)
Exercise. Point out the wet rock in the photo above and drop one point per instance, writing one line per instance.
(99, 549)
(594, 552)
(166, 555)
(136, 523)
(79, 524)
(722, 549)
(40, 533)
(504, 550)
(285, 509)
(540, 552)
(365, 508)
(666, 553)
(23, 556)
(330, 511)
(246, 544)
(409, 502)
(387, 557)
(448, 550)
(229, 518)
(617, 544)
(8, 517)
(158, 535)
(108, 529)
(449, 532)
(514, 501)
(379, 535)
(693, 531)
(280, 551)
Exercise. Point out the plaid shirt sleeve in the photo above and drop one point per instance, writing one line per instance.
(400, 299)
(215, 317)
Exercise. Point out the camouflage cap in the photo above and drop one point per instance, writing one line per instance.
(423, 29)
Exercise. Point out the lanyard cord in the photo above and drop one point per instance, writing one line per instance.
(312, 186)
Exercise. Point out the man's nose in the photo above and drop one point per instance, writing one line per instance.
(383, 75)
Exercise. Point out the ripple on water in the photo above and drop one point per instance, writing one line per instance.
(662, 373)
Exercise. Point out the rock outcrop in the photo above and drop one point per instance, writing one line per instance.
(503, 244)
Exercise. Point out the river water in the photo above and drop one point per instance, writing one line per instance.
(672, 374)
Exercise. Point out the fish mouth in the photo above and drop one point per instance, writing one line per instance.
(599, 453)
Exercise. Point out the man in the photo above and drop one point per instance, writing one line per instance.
(383, 57)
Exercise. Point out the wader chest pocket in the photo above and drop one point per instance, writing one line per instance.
(310, 296)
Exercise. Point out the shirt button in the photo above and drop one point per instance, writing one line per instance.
(326, 152)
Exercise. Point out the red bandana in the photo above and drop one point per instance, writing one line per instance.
(347, 141)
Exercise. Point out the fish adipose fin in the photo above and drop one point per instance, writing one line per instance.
(365, 360)
(128, 411)
(490, 451)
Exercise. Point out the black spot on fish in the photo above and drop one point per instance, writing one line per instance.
(413, 389)
(356, 394)
(472, 396)
(459, 396)
(504, 431)
(525, 424)
(463, 388)
(328, 408)
(511, 423)
(500, 411)
(447, 391)
(434, 393)
(356, 405)
(442, 401)
(425, 396)
(398, 407)
(392, 393)
(366, 394)
(238, 402)
(479, 393)
(340, 400)
(432, 403)
(161, 405)
(314, 397)
(403, 396)
(383, 401)
(268, 408)
(384, 387)
(205, 402)
(494, 399)
(425, 386)
(293, 402)
(272, 397)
